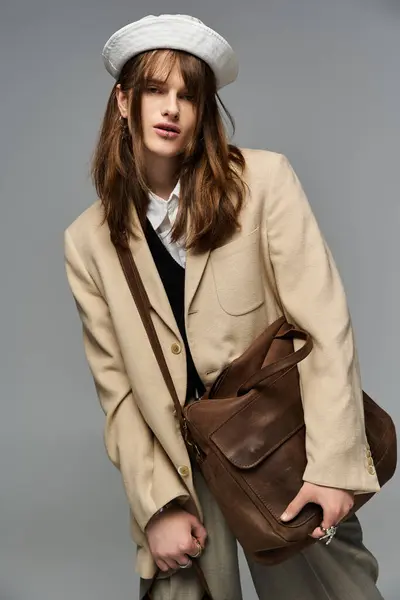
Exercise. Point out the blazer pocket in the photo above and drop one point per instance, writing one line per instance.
(237, 274)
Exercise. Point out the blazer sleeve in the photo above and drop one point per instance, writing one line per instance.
(312, 296)
(128, 439)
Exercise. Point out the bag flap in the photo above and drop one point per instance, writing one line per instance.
(260, 427)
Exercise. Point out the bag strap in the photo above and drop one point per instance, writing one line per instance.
(142, 302)
(282, 364)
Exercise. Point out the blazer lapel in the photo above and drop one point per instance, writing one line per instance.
(151, 279)
(195, 265)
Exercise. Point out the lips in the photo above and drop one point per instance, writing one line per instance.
(167, 127)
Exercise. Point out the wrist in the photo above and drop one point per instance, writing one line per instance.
(162, 510)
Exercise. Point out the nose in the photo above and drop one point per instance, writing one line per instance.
(171, 108)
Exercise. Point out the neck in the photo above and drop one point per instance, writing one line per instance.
(162, 174)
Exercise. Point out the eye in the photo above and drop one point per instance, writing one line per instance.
(152, 89)
(188, 97)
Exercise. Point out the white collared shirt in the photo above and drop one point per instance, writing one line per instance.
(162, 214)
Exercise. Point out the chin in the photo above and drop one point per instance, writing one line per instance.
(164, 149)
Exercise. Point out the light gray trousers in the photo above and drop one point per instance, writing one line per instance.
(343, 570)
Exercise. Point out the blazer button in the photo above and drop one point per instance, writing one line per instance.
(183, 471)
(176, 348)
(371, 470)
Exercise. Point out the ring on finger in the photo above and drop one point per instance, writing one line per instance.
(329, 534)
(199, 550)
(186, 566)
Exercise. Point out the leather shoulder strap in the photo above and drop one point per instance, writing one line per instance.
(142, 302)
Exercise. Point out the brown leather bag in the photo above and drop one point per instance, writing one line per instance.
(247, 435)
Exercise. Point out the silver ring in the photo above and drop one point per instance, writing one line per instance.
(199, 551)
(188, 564)
(329, 534)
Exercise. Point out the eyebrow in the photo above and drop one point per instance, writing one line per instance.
(155, 81)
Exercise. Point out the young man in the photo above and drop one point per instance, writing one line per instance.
(225, 241)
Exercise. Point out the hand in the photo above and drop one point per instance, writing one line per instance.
(335, 503)
(172, 536)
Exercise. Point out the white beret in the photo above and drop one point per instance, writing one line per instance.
(175, 32)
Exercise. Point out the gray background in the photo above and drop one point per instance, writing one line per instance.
(319, 81)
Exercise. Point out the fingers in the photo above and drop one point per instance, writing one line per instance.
(295, 507)
(184, 562)
(333, 514)
(317, 533)
(332, 517)
(199, 532)
(173, 538)
(335, 503)
(181, 558)
(162, 565)
(196, 550)
(173, 564)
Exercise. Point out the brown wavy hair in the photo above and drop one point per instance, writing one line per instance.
(211, 170)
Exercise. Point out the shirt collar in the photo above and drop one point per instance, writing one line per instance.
(158, 207)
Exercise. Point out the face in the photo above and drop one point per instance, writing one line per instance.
(168, 115)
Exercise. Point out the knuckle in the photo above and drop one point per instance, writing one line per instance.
(184, 547)
(332, 514)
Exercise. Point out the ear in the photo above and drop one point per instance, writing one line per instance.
(122, 100)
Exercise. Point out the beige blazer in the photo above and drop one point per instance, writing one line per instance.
(277, 264)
